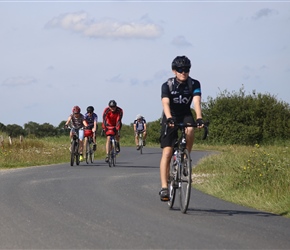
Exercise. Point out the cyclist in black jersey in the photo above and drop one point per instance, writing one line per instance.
(177, 95)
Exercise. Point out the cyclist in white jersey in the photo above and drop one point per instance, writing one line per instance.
(139, 127)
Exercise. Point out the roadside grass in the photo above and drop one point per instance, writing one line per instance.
(257, 176)
(254, 176)
(44, 151)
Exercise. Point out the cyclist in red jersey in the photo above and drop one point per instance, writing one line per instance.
(112, 124)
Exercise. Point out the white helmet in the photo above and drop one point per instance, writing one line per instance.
(139, 117)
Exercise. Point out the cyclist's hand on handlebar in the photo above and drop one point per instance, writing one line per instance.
(170, 121)
(199, 122)
(65, 126)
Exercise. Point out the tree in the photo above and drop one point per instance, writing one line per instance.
(14, 130)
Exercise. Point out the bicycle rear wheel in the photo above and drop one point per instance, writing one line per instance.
(72, 153)
(185, 185)
(171, 184)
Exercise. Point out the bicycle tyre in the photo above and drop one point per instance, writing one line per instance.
(114, 154)
(141, 145)
(72, 153)
(110, 155)
(171, 186)
(92, 155)
(77, 154)
(185, 179)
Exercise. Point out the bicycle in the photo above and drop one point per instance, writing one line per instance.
(140, 141)
(180, 169)
(74, 148)
(88, 145)
(112, 151)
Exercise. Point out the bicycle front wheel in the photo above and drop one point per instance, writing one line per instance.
(141, 144)
(172, 183)
(113, 157)
(72, 153)
(77, 154)
(185, 182)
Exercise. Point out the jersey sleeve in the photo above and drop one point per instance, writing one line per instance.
(196, 88)
(165, 90)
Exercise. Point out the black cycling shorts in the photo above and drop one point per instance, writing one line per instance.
(171, 136)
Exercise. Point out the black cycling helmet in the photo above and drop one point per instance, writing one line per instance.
(180, 62)
(90, 109)
(112, 103)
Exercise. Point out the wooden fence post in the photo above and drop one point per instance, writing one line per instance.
(10, 140)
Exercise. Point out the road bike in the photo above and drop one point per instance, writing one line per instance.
(112, 151)
(180, 169)
(74, 148)
(88, 145)
(140, 141)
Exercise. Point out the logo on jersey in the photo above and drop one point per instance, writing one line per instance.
(182, 100)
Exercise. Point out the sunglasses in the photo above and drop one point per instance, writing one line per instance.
(180, 70)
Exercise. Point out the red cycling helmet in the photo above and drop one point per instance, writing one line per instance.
(76, 109)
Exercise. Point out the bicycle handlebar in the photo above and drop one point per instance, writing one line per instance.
(185, 125)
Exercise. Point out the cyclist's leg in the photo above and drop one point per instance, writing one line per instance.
(107, 148)
(136, 139)
(94, 141)
(144, 135)
(81, 148)
(166, 143)
(117, 137)
(189, 132)
(164, 165)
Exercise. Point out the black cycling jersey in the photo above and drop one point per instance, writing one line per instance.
(180, 96)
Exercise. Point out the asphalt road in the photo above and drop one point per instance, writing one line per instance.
(97, 207)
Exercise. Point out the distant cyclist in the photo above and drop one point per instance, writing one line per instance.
(112, 124)
(92, 120)
(77, 122)
(139, 127)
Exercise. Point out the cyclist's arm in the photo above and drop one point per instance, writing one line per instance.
(68, 121)
(197, 106)
(85, 123)
(94, 129)
(166, 107)
(145, 126)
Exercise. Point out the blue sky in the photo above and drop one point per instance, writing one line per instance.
(57, 54)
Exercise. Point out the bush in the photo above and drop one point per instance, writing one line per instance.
(237, 118)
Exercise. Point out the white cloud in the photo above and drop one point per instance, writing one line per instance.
(181, 41)
(19, 81)
(108, 28)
